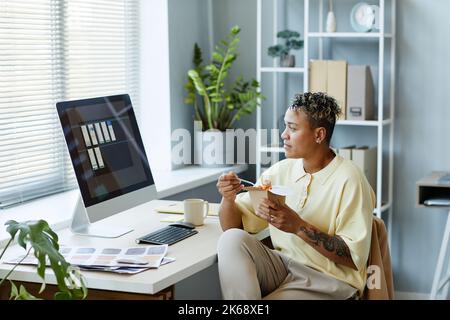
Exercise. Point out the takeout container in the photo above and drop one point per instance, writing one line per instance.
(277, 194)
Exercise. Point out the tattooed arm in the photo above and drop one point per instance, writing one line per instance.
(286, 219)
(332, 247)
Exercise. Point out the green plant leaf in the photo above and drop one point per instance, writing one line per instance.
(201, 90)
(221, 104)
(212, 69)
(234, 42)
(197, 60)
(291, 43)
(235, 30)
(217, 57)
(40, 237)
(14, 292)
(21, 293)
(62, 296)
(199, 85)
(219, 50)
(286, 34)
(297, 44)
(190, 98)
(275, 51)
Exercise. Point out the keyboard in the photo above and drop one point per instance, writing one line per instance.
(167, 235)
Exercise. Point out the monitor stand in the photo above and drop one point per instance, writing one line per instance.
(82, 226)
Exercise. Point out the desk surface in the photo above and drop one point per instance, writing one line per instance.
(192, 254)
(433, 180)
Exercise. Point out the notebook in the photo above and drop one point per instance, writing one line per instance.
(178, 208)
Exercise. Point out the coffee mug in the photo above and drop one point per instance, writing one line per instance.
(195, 211)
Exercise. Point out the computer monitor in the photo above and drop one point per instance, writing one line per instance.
(109, 160)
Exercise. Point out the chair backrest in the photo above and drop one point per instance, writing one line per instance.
(380, 284)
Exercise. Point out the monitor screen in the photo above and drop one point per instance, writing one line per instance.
(105, 147)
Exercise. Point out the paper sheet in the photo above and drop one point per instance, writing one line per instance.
(106, 257)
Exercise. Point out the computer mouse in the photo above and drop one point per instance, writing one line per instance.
(183, 224)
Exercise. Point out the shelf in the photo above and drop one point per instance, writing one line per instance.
(282, 69)
(384, 207)
(368, 123)
(348, 35)
(380, 42)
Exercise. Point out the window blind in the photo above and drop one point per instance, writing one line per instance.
(51, 51)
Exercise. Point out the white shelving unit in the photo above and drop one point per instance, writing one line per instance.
(384, 126)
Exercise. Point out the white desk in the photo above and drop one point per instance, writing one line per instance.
(192, 254)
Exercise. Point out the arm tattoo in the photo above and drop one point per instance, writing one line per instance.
(332, 244)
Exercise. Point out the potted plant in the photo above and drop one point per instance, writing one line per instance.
(218, 104)
(292, 42)
(39, 238)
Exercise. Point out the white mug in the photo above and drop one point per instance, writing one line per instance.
(195, 211)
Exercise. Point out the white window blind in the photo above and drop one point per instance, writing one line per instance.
(51, 51)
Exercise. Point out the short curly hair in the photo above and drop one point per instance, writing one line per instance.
(321, 110)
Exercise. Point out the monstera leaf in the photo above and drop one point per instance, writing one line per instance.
(37, 237)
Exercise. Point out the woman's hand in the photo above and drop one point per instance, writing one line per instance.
(229, 185)
(280, 216)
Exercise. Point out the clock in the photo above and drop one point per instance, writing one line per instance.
(364, 17)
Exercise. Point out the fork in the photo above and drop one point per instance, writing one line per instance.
(246, 181)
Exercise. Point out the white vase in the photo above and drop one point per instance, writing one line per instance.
(331, 22)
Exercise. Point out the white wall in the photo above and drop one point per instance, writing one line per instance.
(188, 24)
(155, 82)
(421, 136)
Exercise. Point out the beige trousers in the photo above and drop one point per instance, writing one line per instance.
(250, 270)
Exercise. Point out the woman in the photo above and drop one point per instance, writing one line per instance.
(321, 235)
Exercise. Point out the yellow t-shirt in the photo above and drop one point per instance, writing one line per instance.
(337, 200)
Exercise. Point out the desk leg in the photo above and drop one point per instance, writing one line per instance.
(446, 283)
(440, 264)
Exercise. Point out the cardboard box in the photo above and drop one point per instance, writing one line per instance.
(337, 84)
(346, 152)
(318, 76)
(366, 159)
(330, 76)
(360, 96)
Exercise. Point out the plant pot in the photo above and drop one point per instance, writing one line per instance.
(214, 148)
(287, 60)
